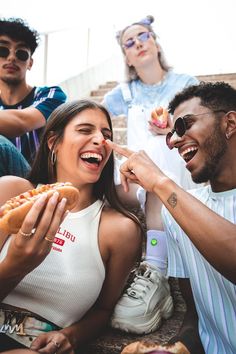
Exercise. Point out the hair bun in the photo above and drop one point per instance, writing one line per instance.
(118, 34)
(148, 20)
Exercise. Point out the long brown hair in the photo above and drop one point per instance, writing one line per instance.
(43, 171)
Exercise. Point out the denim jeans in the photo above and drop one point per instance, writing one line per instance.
(12, 162)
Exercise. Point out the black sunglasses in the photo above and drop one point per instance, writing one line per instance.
(21, 54)
(180, 126)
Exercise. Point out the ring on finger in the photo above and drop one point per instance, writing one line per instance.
(25, 234)
(50, 240)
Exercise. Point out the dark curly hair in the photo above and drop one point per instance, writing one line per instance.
(215, 96)
(18, 30)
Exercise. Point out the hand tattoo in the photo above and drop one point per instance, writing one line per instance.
(172, 200)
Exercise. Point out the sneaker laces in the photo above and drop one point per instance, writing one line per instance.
(143, 276)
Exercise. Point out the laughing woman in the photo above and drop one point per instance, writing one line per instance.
(62, 294)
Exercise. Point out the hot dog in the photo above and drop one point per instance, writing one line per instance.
(142, 347)
(159, 117)
(13, 212)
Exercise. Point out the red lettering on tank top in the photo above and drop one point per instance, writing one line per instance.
(59, 241)
(66, 234)
(60, 232)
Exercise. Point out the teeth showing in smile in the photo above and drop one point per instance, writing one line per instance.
(188, 153)
(91, 157)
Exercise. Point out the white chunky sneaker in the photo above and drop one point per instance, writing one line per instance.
(144, 303)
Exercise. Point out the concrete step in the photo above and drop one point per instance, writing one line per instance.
(108, 86)
(97, 99)
(99, 92)
(119, 125)
(120, 136)
(114, 83)
(119, 122)
(228, 77)
(217, 77)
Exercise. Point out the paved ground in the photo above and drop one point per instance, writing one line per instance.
(113, 341)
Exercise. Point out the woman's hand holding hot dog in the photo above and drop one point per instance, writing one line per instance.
(29, 247)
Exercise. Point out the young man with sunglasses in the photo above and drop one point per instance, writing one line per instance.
(151, 83)
(200, 225)
(23, 109)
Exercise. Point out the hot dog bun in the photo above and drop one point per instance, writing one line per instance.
(159, 117)
(142, 347)
(13, 212)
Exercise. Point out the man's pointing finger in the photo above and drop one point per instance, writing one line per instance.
(119, 149)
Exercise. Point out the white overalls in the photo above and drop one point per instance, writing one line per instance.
(140, 138)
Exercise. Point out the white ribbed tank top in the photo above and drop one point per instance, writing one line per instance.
(67, 283)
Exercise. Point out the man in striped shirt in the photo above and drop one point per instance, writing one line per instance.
(200, 225)
(23, 109)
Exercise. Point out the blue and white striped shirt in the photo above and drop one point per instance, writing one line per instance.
(214, 295)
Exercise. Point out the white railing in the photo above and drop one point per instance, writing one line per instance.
(81, 85)
(77, 58)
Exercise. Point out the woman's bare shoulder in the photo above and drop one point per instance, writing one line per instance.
(10, 186)
(120, 225)
(120, 237)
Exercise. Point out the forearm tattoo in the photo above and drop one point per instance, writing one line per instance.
(172, 200)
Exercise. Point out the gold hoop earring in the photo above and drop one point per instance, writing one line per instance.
(53, 158)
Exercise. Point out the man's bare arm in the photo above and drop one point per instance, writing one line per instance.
(16, 122)
(213, 235)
